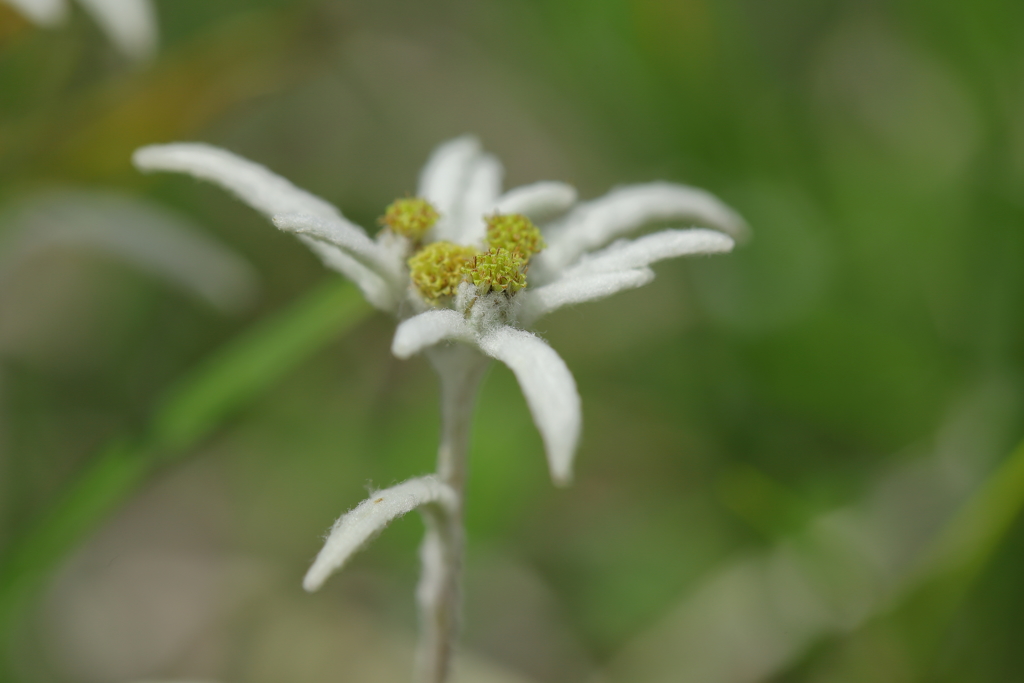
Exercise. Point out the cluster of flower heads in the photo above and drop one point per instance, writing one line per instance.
(439, 269)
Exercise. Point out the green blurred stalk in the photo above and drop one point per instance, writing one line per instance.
(193, 408)
(959, 557)
(971, 539)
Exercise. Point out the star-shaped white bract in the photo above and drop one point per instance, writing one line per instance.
(585, 258)
(130, 24)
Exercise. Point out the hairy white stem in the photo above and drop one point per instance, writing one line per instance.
(460, 369)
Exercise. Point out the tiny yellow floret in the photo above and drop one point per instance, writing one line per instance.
(498, 270)
(514, 232)
(438, 268)
(411, 217)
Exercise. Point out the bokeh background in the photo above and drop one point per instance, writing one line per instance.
(798, 460)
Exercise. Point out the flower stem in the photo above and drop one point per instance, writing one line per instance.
(460, 370)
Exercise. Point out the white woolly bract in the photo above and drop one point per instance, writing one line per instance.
(550, 392)
(130, 24)
(367, 519)
(353, 241)
(380, 293)
(547, 384)
(270, 194)
(426, 329)
(253, 183)
(443, 182)
(42, 12)
(579, 289)
(483, 185)
(652, 248)
(595, 223)
(538, 201)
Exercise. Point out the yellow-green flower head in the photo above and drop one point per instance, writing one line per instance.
(411, 217)
(514, 232)
(438, 268)
(498, 270)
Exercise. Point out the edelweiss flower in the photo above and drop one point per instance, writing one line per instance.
(130, 24)
(463, 185)
(465, 263)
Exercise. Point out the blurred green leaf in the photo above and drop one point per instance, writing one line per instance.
(251, 363)
(971, 539)
(963, 550)
(223, 384)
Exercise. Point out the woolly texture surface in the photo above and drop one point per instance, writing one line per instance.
(253, 183)
(538, 201)
(444, 179)
(595, 223)
(652, 248)
(463, 183)
(426, 329)
(482, 190)
(550, 392)
(543, 376)
(580, 289)
(271, 195)
(358, 526)
(354, 241)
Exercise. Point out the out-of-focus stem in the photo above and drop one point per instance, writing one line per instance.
(461, 370)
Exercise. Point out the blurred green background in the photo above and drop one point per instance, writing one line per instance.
(797, 462)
